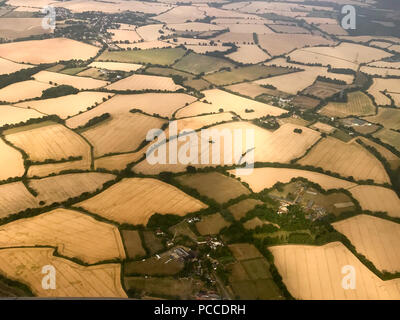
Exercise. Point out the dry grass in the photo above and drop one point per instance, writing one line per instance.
(135, 200)
(75, 235)
(265, 178)
(347, 159)
(73, 280)
(56, 49)
(65, 106)
(14, 197)
(375, 238)
(214, 185)
(313, 273)
(11, 162)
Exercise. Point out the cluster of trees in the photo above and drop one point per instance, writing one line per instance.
(94, 121)
(58, 91)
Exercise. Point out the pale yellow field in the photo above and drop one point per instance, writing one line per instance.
(229, 102)
(282, 145)
(195, 123)
(378, 199)
(152, 32)
(120, 66)
(72, 280)
(13, 28)
(380, 44)
(80, 83)
(63, 187)
(13, 115)
(11, 162)
(249, 28)
(75, 235)
(387, 117)
(265, 178)
(280, 43)
(56, 49)
(135, 200)
(65, 106)
(379, 85)
(14, 197)
(323, 127)
(315, 273)
(297, 81)
(124, 35)
(145, 82)
(43, 170)
(121, 133)
(384, 72)
(345, 55)
(181, 14)
(164, 104)
(48, 141)
(194, 26)
(347, 159)
(375, 238)
(7, 66)
(392, 159)
(117, 162)
(23, 90)
(249, 89)
(249, 54)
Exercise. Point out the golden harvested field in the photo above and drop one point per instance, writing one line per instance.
(282, 28)
(75, 235)
(135, 200)
(375, 238)
(345, 55)
(249, 89)
(72, 280)
(144, 82)
(121, 133)
(280, 43)
(151, 32)
(378, 199)
(240, 209)
(11, 162)
(236, 38)
(44, 170)
(249, 28)
(249, 54)
(211, 224)
(379, 85)
(80, 83)
(214, 185)
(265, 178)
(117, 162)
(323, 127)
(13, 115)
(56, 49)
(48, 140)
(23, 90)
(124, 35)
(384, 72)
(181, 14)
(358, 104)
(282, 145)
(347, 159)
(385, 64)
(387, 117)
(13, 28)
(294, 82)
(389, 136)
(7, 66)
(65, 106)
(315, 273)
(195, 123)
(229, 102)
(63, 187)
(164, 104)
(392, 159)
(14, 197)
(120, 66)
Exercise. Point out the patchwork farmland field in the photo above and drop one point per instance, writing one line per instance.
(23, 90)
(12, 115)
(347, 159)
(375, 238)
(144, 82)
(195, 63)
(390, 137)
(80, 83)
(211, 224)
(14, 197)
(387, 117)
(135, 200)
